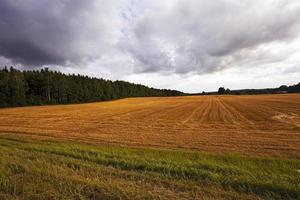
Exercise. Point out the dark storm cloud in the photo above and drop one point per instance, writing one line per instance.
(46, 32)
(28, 54)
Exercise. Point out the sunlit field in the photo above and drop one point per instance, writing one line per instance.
(256, 125)
(199, 147)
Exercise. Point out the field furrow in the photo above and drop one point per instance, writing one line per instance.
(256, 125)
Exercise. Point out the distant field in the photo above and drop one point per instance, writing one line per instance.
(200, 147)
(249, 125)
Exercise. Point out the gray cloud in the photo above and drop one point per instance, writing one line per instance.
(206, 36)
(127, 37)
(47, 32)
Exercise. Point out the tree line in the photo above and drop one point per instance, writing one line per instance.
(280, 90)
(40, 87)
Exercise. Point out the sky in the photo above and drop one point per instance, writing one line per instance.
(187, 45)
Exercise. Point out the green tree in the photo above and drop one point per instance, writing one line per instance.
(17, 88)
(221, 90)
(227, 91)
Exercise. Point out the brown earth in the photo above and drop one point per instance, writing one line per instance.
(252, 125)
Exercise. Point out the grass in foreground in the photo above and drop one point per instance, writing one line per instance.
(32, 169)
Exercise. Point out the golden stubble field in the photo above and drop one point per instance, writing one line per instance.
(251, 125)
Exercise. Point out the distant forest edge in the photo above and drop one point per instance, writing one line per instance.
(41, 87)
(280, 90)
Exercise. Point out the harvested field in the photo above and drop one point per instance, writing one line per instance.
(251, 125)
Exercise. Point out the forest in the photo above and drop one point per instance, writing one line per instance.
(41, 87)
(279, 90)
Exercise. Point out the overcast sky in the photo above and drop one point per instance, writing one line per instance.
(188, 45)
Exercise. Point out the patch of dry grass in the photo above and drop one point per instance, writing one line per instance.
(253, 125)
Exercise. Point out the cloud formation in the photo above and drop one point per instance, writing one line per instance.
(205, 36)
(121, 38)
(46, 32)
